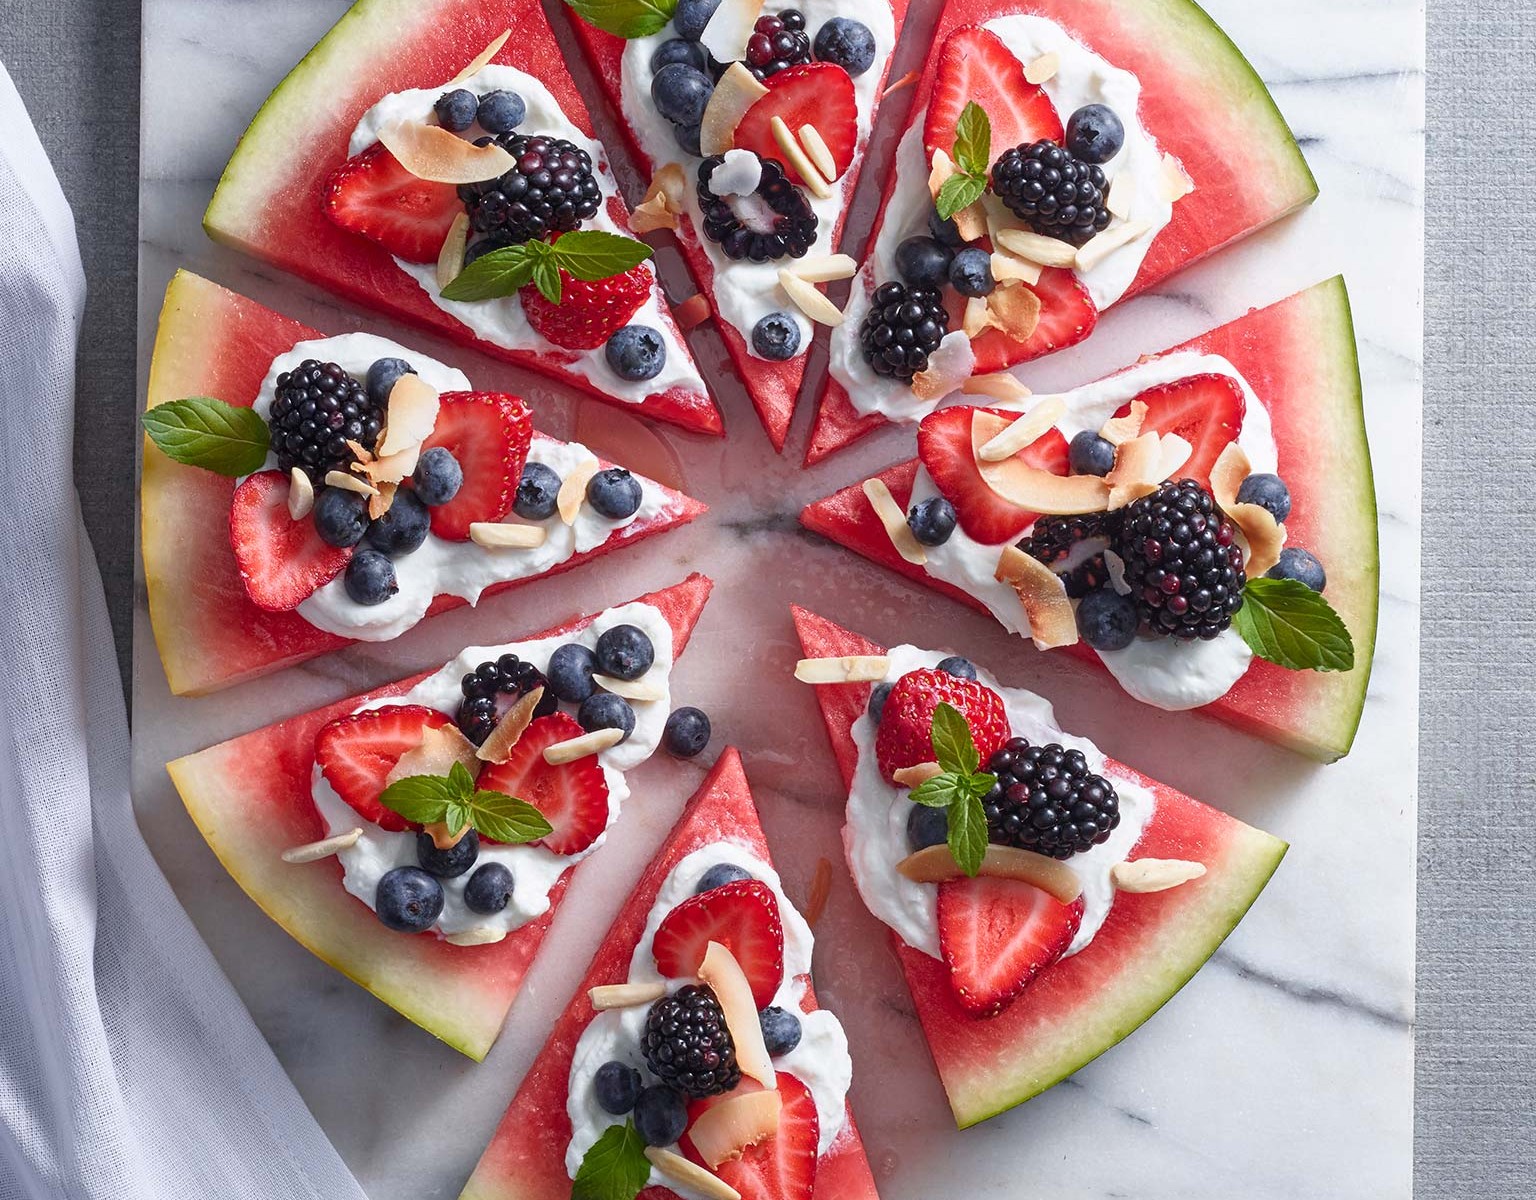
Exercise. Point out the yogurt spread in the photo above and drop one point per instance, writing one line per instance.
(875, 835)
(535, 870)
(820, 1061)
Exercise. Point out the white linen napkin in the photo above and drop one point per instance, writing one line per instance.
(129, 1070)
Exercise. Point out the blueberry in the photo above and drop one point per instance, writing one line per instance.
(1300, 565)
(1094, 133)
(604, 710)
(450, 863)
(776, 337)
(1106, 620)
(924, 261)
(878, 695)
(636, 352)
(679, 50)
(383, 376)
(686, 733)
(1089, 454)
(501, 112)
(958, 666)
(681, 92)
(660, 1115)
(403, 528)
(932, 521)
(719, 875)
(971, 272)
(690, 17)
(617, 1086)
(489, 889)
(438, 476)
(781, 1030)
(370, 578)
(537, 492)
(341, 517)
(569, 675)
(846, 42)
(687, 138)
(456, 109)
(927, 827)
(945, 230)
(408, 899)
(1267, 491)
(615, 494)
(625, 652)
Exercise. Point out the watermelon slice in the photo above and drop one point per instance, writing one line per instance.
(1299, 357)
(1072, 1011)
(526, 1157)
(1202, 102)
(772, 387)
(251, 798)
(269, 201)
(212, 342)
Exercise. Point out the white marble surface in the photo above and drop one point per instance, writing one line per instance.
(1283, 1071)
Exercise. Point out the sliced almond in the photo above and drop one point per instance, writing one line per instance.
(1025, 431)
(625, 995)
(797, 159)
(450, 259)
(1264, 536)
(724, 975)
(643, 689)
(1136, 470)
(1176, 183)
(691, 312)
(895, 522)
(573, 489)
(1015, 311)
(1037, 248)
(481, 60)
(1154, 874)
(736, 92)
(1008, 269)
(480, 935)
(314, 851)
(916, 776)
(819, 152)
(726, 33)
(350, 483)
(1043, 68)
(430, 152)
(935, 864)
(808, 300)
(1119, 430)
(439, 750)
(301, 494)
(580, 747)
(498, 746)
(678, 1169)
(905, 81)
(825, 268)
(410, 414)
(999, 385)
(1108, 242)
(507, 535)
(1043, 593)
(1121, 192)
(726, 1129)
(382, 499)
(850, 668)
(1227, 475)
(948, 367)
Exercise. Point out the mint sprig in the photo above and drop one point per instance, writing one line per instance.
(958, 787)
(625, 18)
(1286, 622)
(203, 432)
(972, 156)
(586, 254)
(614, 1167)
(454, 801)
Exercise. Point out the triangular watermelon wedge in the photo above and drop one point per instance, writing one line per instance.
(1202, 102)
(268, 203)
(1149, 946)
(1299, 357)
(212, 342)
(526, 1157)
(251, 799)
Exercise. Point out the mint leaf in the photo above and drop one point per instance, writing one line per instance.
(462, 781)
(420, 798)
(973, 141)
(953, 746)
(546, 277)
(592, 254)
(203, 432)
(499, 273)
(625, 18)
(959, 191)
(968, 833)
(504, 818)
(1288, 623)
(941, 791)
(614, 1167)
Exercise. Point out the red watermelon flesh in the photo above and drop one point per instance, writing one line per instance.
(526, 1157)
(269, 201)
(772, 387)
(1299, 358)
(1074, 1010)
(250, 797)
(212, 342)
(1201, 101)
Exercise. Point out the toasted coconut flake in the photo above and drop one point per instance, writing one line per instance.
(410, 415)
(450, 259)
(643, 689)
(1154, 874)
(430, 152)
(301, 495)
(1135, 473)
(580, 747)
(498, 746)
(1232, 467)
(1024, 431)
(999, 385)
(935, 864)
(573, 490)
(1108, 242)
(916, 776)
(905, 81)
(1119, 430)
(350, 483)
(678, 1169)
(977, 318)
(651, 215)
(948, 367)
(1008, 270)
(821, 890)
(818, 151)
(1052, 622)
(1030, 487)
(481, 60)
(725, 1130)
(723, 973)
(625, 995)
(736, 92)
(1115, 565)
(796, 157)
(324, 848)
(1265, 536)
(383, 498)
(895, 522)
(507, 535)
(1174, 452)
(443, 837)
(825, 268)
(392, 469)
(1043, 68)
(692, 311)
(850, 668)
(940, 168)
(971, 222)
(480, 935)
(359, 452)
(725, 34)
(1015, 311)
(1037, 248)
(1176, 183)
(436, 755)
(663, 201)
(1121, 192)
(808, 300)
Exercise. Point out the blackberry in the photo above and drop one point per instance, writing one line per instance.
(687, 1044)
(318, 408)
(1058, 195)
(507, 675)
(1182, 561)
(903, 327)
(1074, 548)
(1047, 800)
(778, 43)
(550, 189)
(782, 224)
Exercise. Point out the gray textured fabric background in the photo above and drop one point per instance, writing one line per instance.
(76, 63)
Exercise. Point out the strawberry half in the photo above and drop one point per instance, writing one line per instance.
(372, 194)
(489, 433)
(996, 935)
(819, 94)
(975, 65)
(1067, 316)
(944, 444)
(743, 917)
(356, 754)
(572, 796)
(588, 313)
(784, 1166)
(1205, 410)
(282, 562)
(905, 737)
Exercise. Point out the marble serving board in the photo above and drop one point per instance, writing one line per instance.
(1284, 1070)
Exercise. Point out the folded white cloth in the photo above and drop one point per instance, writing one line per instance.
(129, 1070)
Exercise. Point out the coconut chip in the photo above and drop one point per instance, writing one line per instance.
(1037, 248)
(480, 935)
(1263, 535)
(324, 848)
(663, 199)
(1228, 473)
(737, 91)
(360, 452)
(808, 300)
(1008, 270)
(608, 996)
(935, 864)
(1024, 431)
(1108, 242)
(450, 259)
(384, 496)
(498, 746)
(1154, 874)
(437, 753)
(392, 469)
(481, 60)
(507, 535)
(631, 689)
(977, 317)
(1118, 202)
(916, 776)
(1176, 183)
(301, 495)
(895, 522)
(1119, 430)
(850, 668)
(819, 152)
(1136, 472)
(948, 367)
(797, 159)
(1052, 622)
(1174, 452)
(350, 483)
(971, 221)
(1015, 311)
(1030, 487)
(580, 747)
(691, 312)
(573, 490)
(1043, 68)
(999, 385)
(410, 415)
(727, 31)
(430, 152)
(690, 1175)
(826, 268)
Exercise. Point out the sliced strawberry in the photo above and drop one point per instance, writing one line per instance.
(372, 194)
(819, 94)
(572, 796)
(1205, 410)
(998, 934)
(356, 754)
(588, 313)
(743, 917)
(282, 561)
(784, 1166)
(975, 65)
(489, 433)
(905, 736)
(1067, 316)
(944, 444)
